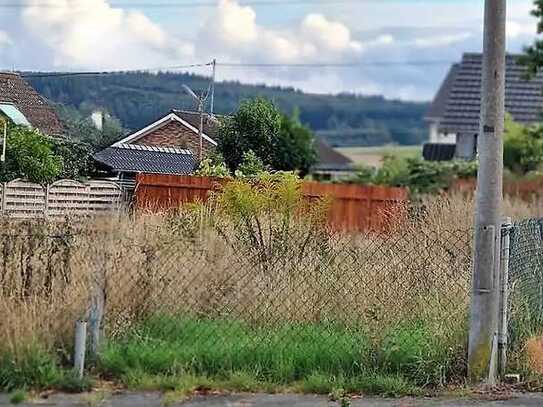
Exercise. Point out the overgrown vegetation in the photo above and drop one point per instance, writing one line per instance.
(250, 291)
(30, 155)
(38, 158)
(418, 175)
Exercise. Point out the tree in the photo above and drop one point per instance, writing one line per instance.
(280, 142)
(294, 149)
(532, 58)
(29, 155)
(523, 147)
(80, 128)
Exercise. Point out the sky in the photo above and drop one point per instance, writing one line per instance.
(401, 49)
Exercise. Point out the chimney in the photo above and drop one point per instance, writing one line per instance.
(97, 118)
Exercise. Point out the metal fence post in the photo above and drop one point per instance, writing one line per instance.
(80, 346)
(96, 314)
(504, 296)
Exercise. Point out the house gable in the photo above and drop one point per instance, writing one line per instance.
(170, 131)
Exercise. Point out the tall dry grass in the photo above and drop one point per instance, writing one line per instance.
(186, 265)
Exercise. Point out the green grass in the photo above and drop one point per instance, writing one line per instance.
(182, 354)
(18, 397)
(37, 369)
(178, 354)
(206, 347)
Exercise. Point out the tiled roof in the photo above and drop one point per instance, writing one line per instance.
(211, 123)
(523, 98)
(439, 104)
(147, 159)
(330, 159)
(14, 89)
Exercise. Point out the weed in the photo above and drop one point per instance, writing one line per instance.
(18, 397)
(95, 399)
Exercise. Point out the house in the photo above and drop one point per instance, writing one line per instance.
(169, 145)
(453, 116)
(331, 164)
(22, 104)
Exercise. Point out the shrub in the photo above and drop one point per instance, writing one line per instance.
(523, 147)
(29, 154)
(418, 175)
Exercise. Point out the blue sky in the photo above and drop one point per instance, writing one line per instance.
(104, 34)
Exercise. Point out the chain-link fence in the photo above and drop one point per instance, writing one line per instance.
(286, 307)
(525, 282)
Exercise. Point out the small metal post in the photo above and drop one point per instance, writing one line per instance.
(80, 346)
(95, 320)
(504, 296)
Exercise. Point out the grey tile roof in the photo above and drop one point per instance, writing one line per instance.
(523, 98)
(147, 159)
(439, 104)
(329, 159)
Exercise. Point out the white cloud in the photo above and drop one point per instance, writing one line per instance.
(440, 41)
(91, 33)
(517, 29)
(5, 39)
(234, 33)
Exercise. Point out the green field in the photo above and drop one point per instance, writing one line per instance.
(372, 156)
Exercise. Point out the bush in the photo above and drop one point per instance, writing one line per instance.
(418, 175)
(523, 147)
(30, 155)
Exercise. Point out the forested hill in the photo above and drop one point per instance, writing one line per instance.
(140, 98)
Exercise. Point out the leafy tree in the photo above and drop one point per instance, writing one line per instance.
(76, 157)
(533, 54)
(29, 155)
(294, 148)
(280, 142)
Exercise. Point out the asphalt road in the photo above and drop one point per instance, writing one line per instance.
(262, 400)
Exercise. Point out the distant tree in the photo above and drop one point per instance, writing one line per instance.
(79, 127)
(280, 142)
(29, 155)
(294, 149)
(532, 57)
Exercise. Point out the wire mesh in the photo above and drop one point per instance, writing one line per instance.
(211, 302)
(525, 281)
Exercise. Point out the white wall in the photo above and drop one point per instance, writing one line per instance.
(438, 137)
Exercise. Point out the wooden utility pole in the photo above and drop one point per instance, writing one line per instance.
(483, 336)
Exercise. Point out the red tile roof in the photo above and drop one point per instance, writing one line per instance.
(14, 89)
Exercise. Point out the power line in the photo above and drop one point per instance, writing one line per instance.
(244, 65)
(336, 65)
(110, 72)
(191, 4)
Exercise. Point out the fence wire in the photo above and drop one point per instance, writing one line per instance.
(526, 281)
(213, 302)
